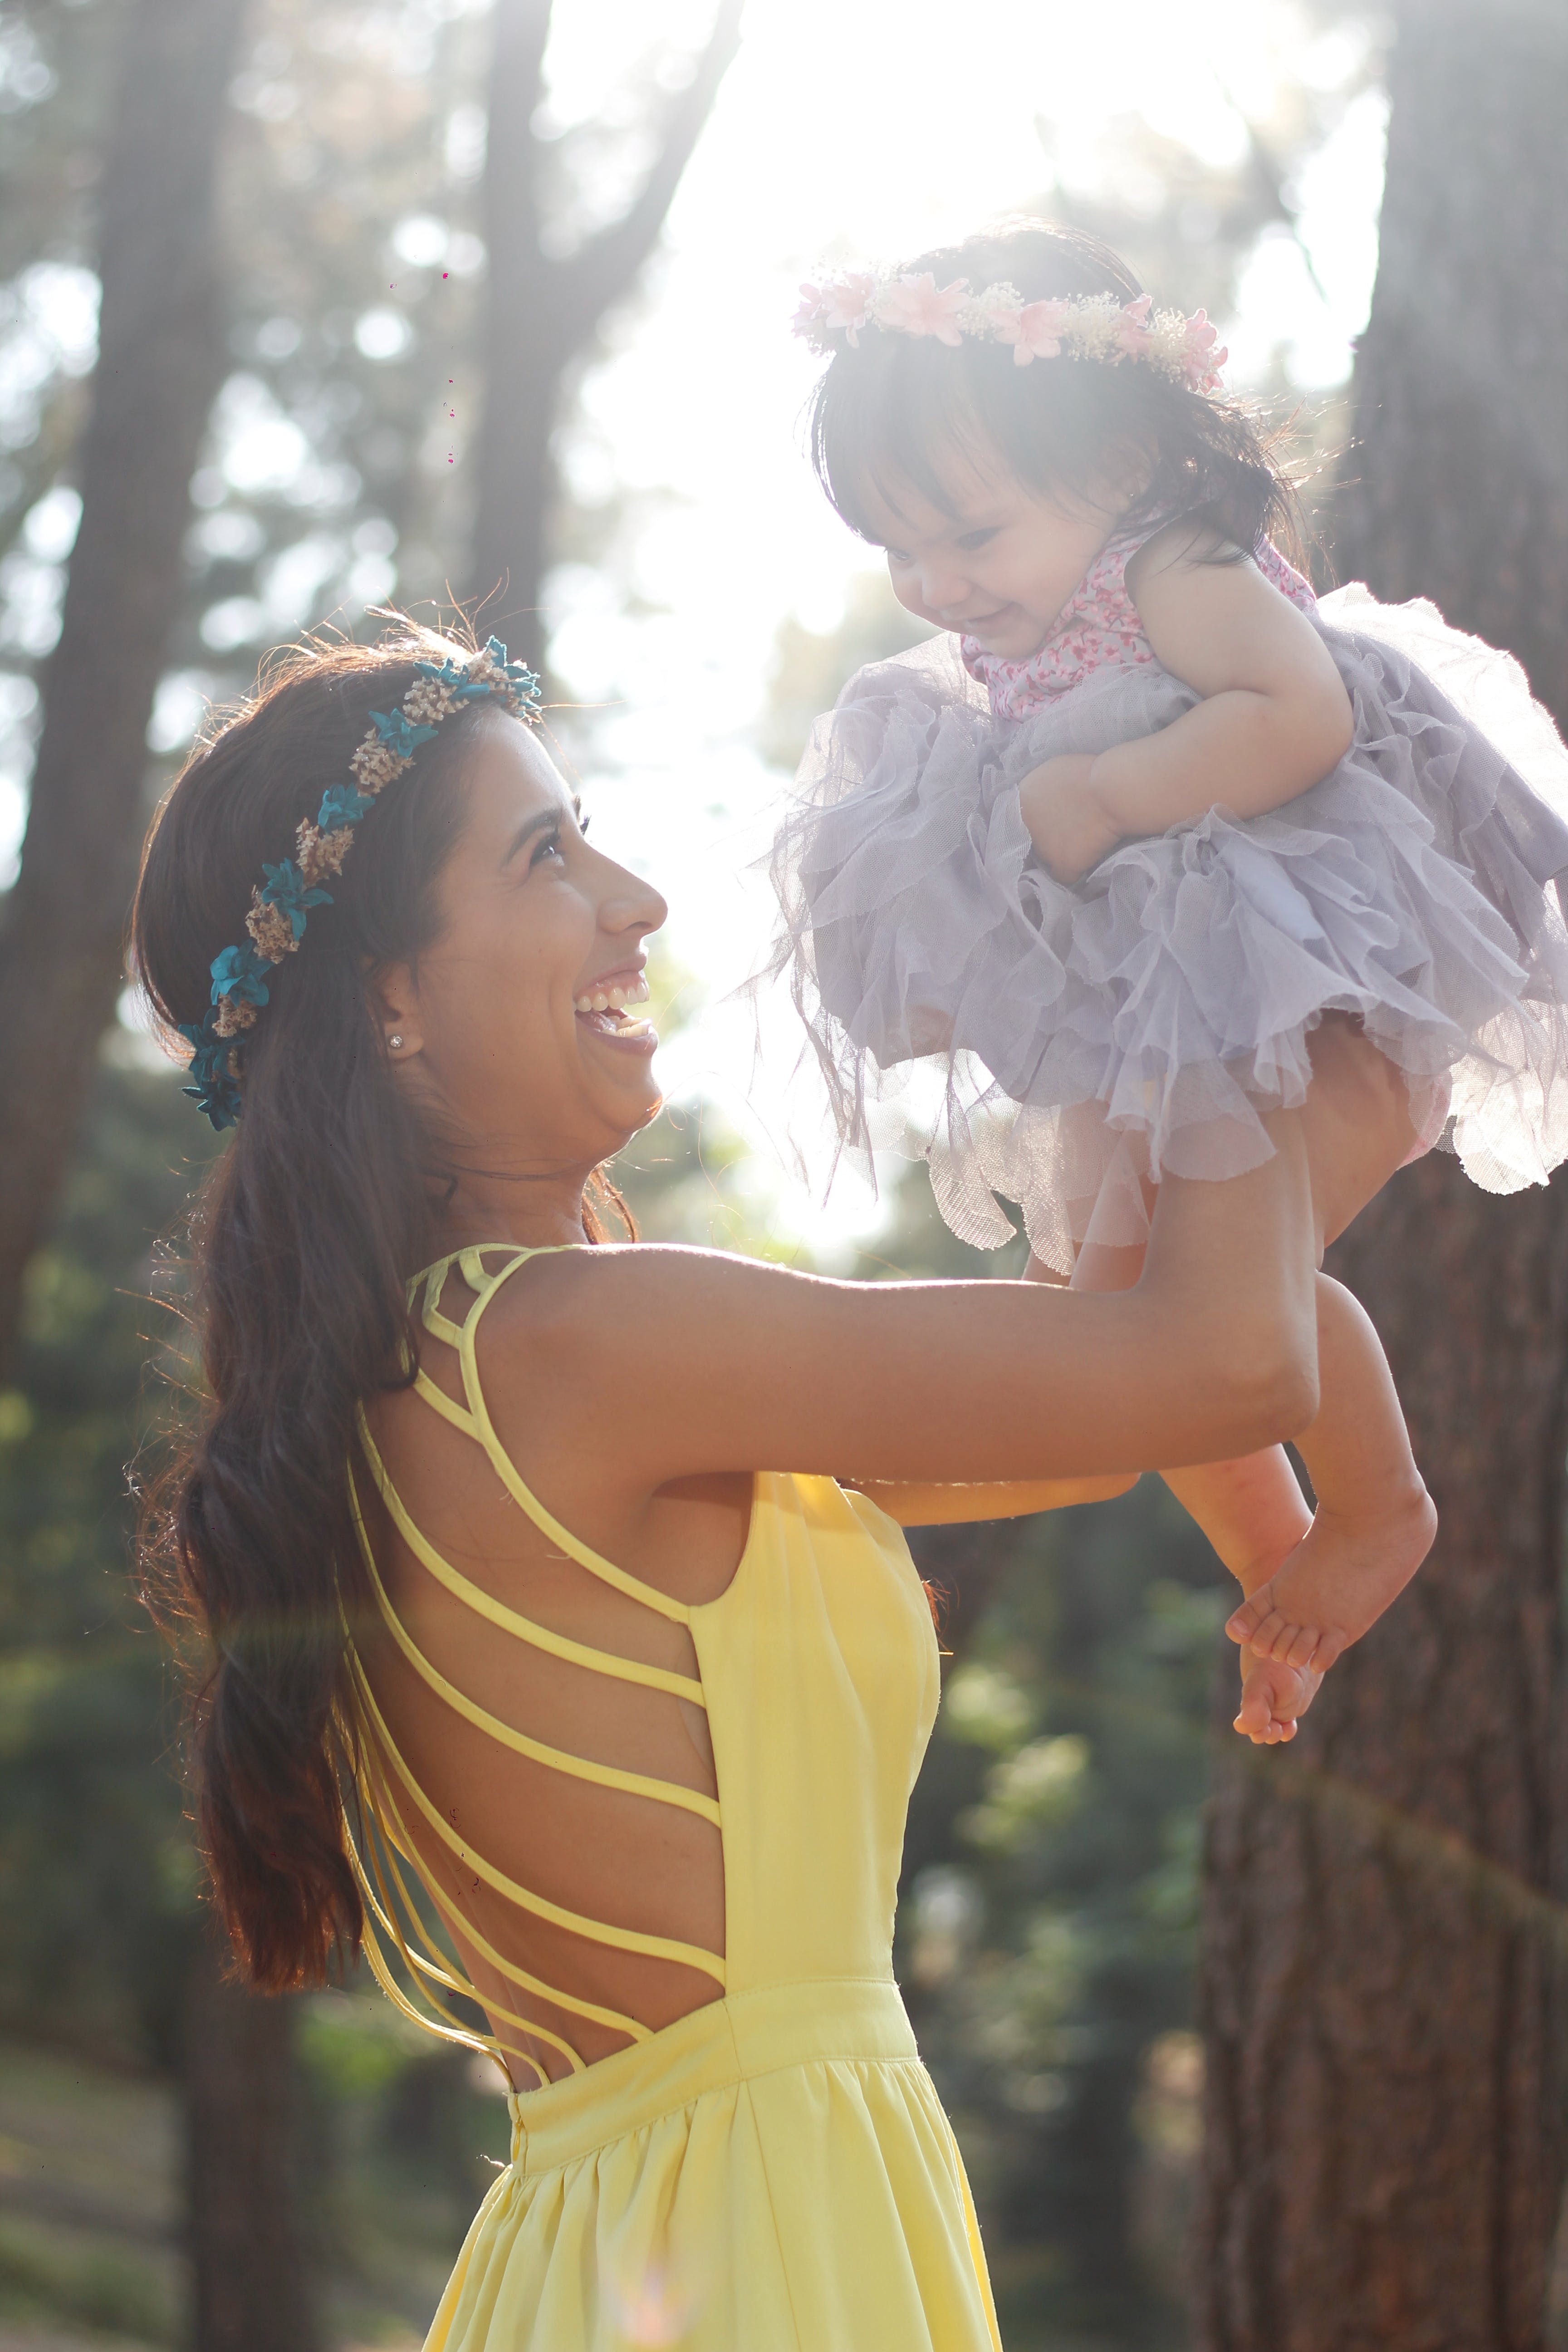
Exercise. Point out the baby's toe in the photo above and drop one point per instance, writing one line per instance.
(1273, 1638)
(1299, 1646)
(1243, 1622)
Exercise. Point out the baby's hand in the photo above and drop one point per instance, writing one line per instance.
(1067, 822)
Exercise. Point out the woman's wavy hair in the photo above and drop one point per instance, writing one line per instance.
(304, 1239)
(891, 407)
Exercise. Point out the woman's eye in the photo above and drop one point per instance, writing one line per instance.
(547, 845)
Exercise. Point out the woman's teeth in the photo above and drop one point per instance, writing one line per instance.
(614, 999)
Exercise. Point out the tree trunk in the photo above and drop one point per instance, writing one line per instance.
(160, 363)
(253, 2288)
(541, 312)
(1382, 1984)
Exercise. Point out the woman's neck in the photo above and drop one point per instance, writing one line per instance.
(540, 1210)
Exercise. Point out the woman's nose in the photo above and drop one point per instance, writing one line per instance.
(630, 904)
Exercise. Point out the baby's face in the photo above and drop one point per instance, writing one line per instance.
(999, 566)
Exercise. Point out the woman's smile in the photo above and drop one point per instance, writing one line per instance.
(601, 1010)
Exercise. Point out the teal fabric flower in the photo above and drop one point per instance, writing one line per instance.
(341, 805)
(400, 733)
(452, 672)
(214, 1090)
(238, 972)
(285, 889)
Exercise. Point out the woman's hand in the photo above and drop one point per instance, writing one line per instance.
(1068, 823)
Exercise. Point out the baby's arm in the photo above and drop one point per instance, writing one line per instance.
(1275, 717)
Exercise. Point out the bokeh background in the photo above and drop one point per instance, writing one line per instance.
(412, 301)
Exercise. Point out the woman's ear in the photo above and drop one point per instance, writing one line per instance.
(394, 1003)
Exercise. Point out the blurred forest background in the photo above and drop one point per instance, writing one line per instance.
(306, 308)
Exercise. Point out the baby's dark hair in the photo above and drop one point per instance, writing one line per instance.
(888, 405)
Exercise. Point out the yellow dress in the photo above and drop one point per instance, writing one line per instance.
(773, 2171)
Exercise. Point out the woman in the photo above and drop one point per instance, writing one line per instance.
(563, 1646)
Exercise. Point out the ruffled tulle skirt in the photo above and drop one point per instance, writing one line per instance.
(1063, 1044)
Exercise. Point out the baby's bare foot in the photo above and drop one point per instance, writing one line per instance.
(1273, 1699)
(1336, 1583)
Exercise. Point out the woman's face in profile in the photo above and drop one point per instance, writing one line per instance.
(522, 1027)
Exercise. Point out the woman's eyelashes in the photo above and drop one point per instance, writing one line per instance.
(550, 845)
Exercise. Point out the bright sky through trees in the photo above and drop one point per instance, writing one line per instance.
(851, 128)
(846, 130)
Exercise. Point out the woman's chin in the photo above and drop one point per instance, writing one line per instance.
(617, 1053)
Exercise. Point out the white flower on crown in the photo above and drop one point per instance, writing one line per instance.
(1080, 326)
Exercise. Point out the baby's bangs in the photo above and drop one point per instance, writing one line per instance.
(887, 422)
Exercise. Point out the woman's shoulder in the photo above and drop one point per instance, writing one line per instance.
(606, 1310)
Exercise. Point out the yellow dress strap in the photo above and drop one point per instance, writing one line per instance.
(447, 1407)
(485, 1604)
(606, 1776)
(394, 1831)
(465, 1338)
(595, 1931)
(444, 2023)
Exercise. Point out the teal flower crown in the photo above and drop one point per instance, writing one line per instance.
(280, 904)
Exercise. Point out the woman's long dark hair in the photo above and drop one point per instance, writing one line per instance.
(303, 1239)
(889, 407)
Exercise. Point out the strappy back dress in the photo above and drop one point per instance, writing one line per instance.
(769, 2170)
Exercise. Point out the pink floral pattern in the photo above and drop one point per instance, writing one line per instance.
(1097, 628)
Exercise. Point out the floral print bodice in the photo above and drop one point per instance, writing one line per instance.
(1097, 628)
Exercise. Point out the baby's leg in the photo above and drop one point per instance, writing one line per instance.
(1255, 1515)
(1253, 1512)
(1374, 1521)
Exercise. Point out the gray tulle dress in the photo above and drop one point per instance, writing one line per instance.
(1061, 1046)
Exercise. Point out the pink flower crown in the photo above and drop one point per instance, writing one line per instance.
(1080, 326)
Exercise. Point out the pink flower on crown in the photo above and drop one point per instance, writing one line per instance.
(808, 319)
(1034, 331)
(1201, 362)
(848, 301)
(1132, 326)
(912, 306)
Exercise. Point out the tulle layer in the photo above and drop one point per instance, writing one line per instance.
(721, 2189)
(1060, 1045)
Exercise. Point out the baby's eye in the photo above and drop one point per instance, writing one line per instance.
(897, 556)
(975, 539)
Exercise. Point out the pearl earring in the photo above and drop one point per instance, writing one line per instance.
(394, 1042)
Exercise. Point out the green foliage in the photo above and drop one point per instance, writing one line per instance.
(46, 2273)
(97, 1882)
(1046, 1934)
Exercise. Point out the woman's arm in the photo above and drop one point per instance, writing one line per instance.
(634, 1365)
(1275, 717)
